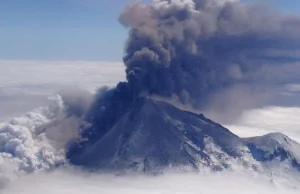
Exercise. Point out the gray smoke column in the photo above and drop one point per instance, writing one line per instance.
(192, 49)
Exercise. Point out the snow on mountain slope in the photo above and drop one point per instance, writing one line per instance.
(275, 148)
(152, 136)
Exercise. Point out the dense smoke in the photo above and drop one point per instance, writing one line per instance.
(193, 49)
(197, 50)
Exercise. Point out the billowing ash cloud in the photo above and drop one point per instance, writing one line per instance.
(197, 50)
(191, 49)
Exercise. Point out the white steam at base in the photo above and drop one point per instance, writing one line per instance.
(24, 144)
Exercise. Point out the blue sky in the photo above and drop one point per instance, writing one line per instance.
(70, 29)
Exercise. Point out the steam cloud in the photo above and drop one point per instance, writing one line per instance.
(197, 50)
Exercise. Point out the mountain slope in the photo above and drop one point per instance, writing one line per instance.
(275, 148)
(153, 135)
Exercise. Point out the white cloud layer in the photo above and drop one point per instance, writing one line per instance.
(24, 85)
(40, 75)
(267, 120)
(76, 182)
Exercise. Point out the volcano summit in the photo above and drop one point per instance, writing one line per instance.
(153, 136)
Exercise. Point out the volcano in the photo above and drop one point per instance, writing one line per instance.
(152, 136)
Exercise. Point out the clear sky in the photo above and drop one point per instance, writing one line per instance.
(70, 29)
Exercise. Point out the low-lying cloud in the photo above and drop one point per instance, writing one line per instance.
(261, 121)
(64, 181)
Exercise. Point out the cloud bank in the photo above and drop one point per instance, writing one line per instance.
(26, 85)
(77, 182)
(258, 122)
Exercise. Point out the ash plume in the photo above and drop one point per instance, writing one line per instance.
(195, 50)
